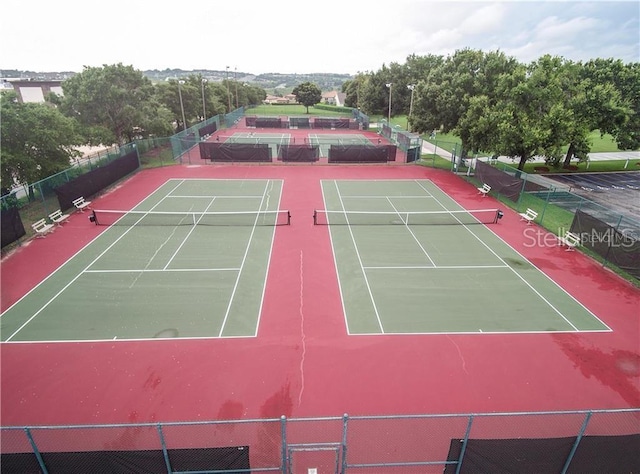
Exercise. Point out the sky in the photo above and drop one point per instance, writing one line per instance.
(298, 36)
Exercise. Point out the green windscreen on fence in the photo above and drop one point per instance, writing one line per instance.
(618, 247)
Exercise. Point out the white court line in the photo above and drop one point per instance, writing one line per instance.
(123, 339)
(266, 274)
(167, 270)
(249, 196)
(364, 274)
(81, 250)
(439, 267)
(478, 332)
(364, 196)
(80, 274)
(186, 237)
(244, 259)
(556, 310)
(406, 226)
(335, 264)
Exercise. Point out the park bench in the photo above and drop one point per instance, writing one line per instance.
(57, 217)
(570, 240)
(484, 190)
(528, 216)
(80, 203)
(42, 227)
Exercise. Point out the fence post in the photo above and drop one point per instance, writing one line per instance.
(464, 444)
(165, 453)
(577, 442)
(614, 230)
(546, 203)
(36, 451)
(453, 157)
(283, 442)
(345, 418)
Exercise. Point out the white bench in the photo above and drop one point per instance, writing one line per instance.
(528, 216)
(58, 217)
(484, 190)
(570, 240)
(42, 227)
(80, 203)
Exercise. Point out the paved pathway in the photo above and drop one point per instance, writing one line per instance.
(429, 148)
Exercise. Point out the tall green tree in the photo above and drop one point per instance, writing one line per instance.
(527, 117)
(308, 94)
(36, 141)
(111, 103)
(374, 93)
(625, 78)
(352, 90)
(445, 95)
(595, 106)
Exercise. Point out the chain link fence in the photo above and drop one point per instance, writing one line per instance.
(571, 441)
(37, 200)
(557, 206)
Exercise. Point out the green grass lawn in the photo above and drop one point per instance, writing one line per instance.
(599, 144)
(592, 166)
(294, 109)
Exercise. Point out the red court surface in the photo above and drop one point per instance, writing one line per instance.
(303, 363)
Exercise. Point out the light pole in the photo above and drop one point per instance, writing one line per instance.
(235, 79)
(204, 108)
(411, 87)
(389, 84)
(184, 121)
(228, 92)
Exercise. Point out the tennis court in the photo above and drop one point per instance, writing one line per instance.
(253, 138)
(189, 261)
(411, 260)
(322, 140)
(325, 140)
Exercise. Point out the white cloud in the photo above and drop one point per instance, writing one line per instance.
(484, 20)
(553, 28)
(287, 36)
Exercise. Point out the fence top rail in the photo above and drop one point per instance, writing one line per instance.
(329, 418)
(143, 425)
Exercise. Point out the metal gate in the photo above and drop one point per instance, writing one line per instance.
(314, 458)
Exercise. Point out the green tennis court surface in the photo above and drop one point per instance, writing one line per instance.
(154, 274)
(447, 273)
(321, 140)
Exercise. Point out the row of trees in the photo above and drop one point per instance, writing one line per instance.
(105, 105)
(494, 103)
(498, 105)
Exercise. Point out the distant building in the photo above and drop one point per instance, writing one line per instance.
(5, 84)
(35, 91)
(273, 99)
(334, 98)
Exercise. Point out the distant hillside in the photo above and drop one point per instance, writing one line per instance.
(274, 83)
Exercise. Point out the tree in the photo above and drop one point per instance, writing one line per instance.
(308, 94)
(445, 95)
(526, 117)
(595, 106)
(625, 78)
(37, 141)
(352, 90)
(111, 103)
(374, 93)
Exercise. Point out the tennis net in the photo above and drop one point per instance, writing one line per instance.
(459, 217)
(343, 140)
(161, 218)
